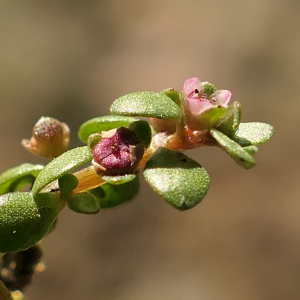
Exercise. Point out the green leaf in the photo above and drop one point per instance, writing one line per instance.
(251, 149)
(67, 183)
(146, 104)
(177, 178)
(230, 121)
(143, 132)
(93, 140)
(253, 133)
(105, 123)
(121, 179)
(84, 203)
(61, 165)
(211, 116)
(25, 219)
(236, 152)
(111, 195)
(173, 94)
(11, 179)
(21, 184)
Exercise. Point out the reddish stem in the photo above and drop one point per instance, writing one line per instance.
(182, 139)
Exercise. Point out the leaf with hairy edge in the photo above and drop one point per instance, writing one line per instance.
(146, 104)
(236, 152)
(105, 123)
(61, 165)
(253, 133)
(177, 178)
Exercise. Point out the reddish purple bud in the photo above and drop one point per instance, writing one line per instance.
(50, 138)
(117, 153)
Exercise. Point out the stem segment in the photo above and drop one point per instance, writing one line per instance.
(182, 139)
(4, 292)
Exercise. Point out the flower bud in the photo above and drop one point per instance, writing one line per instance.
(50, 138)
(117, 153)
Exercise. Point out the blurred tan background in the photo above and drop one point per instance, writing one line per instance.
(71, 59)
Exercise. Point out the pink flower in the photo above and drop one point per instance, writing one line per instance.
(202, 97)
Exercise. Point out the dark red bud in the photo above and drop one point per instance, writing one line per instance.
(118, 152)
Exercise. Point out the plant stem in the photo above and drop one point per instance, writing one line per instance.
(181, 140)
(89, 179)
(4, 292)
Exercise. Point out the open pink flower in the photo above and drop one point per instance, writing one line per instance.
(203, 96)
(198, 98)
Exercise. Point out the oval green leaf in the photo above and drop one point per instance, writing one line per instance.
(111, 195)
(253, 133)
(25, 219)
(93, 140)
(14, 176)
(251, 149)
(99, 124)
(84, 203)
(61, 165)
(143, 131)
(173, 94)
(146, 104)
(67, 184)
(235, 151)
(211, 116)
(177, 178)
(230, 121)
(116, 180)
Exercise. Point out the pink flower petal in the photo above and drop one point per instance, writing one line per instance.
(191, 84)
(221, 97)
(198, 106)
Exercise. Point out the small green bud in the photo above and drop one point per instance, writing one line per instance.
(209, 88)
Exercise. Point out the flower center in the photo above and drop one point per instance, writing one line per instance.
(195, 94)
